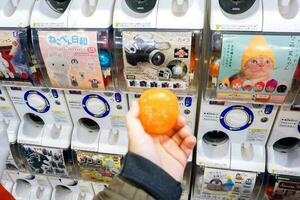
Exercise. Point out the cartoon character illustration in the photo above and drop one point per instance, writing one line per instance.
(76, 65)
(260, 86)
(248, 183)
(224, 84)
(229, 184)
(74, 81)
(282, 87)
(271, 85)
(94, 83)
(58, 69)
(236, 84)
(215, 185)
(6, 54)
(44, 161)
(238, 176)
(4, 67)
(248, 85)
(257, 62)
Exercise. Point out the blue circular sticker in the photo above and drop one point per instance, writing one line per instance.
(31, 92)
(250, 117)
(87, 98)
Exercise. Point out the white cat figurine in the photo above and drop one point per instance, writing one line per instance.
(4, 67)
(59, 68)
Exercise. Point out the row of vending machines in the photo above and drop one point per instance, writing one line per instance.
(82, 135)
(70, 68)
(69, 134)
(252, 47)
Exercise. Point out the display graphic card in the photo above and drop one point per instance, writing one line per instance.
(71, 59)
(45, 161)
(98, 167)
(14, 68)
(227, 184)
(157, 59)
(286, 188)
(257, 67)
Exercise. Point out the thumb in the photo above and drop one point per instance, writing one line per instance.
(132, 119)
(134, 110)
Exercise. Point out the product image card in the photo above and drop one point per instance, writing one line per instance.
(14, 68)
(98, 167)
(286, 188)
(157, 59)
(45, 161)
(226, 184)
(71, 59)
(259, 67)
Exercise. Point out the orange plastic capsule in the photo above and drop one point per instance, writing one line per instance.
(159, 111)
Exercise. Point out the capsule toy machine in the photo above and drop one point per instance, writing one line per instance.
(252, 59)
(99, 135)
(71, 189)
(17, 63)
(44, 134)
(231, 149)
(283, 154)
(158, 43)
(30, 187)
(187, 107)
(72, 40)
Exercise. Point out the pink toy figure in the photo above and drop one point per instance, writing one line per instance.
(271, 85)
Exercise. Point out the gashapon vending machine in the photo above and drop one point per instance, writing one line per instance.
(17, 63)
(232, 136)
(44, 134)
(99, 134)
(157, 43)
(283, 145)
(283, 155)
(73, 45)
(187, 107)
(251, 59)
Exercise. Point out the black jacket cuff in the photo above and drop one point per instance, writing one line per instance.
(148, 176)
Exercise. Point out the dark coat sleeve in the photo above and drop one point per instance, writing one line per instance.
(140, 179)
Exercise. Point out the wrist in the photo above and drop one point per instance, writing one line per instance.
(150, 177)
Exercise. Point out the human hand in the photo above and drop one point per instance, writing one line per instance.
(170, 152)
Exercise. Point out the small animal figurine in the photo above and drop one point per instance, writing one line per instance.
(74, 81)
(271, 85)
(58, 68)
(94, 83)
(4, 67)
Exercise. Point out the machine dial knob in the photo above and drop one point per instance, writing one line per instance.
(37, 101)
(236, 118)
(96, 106)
